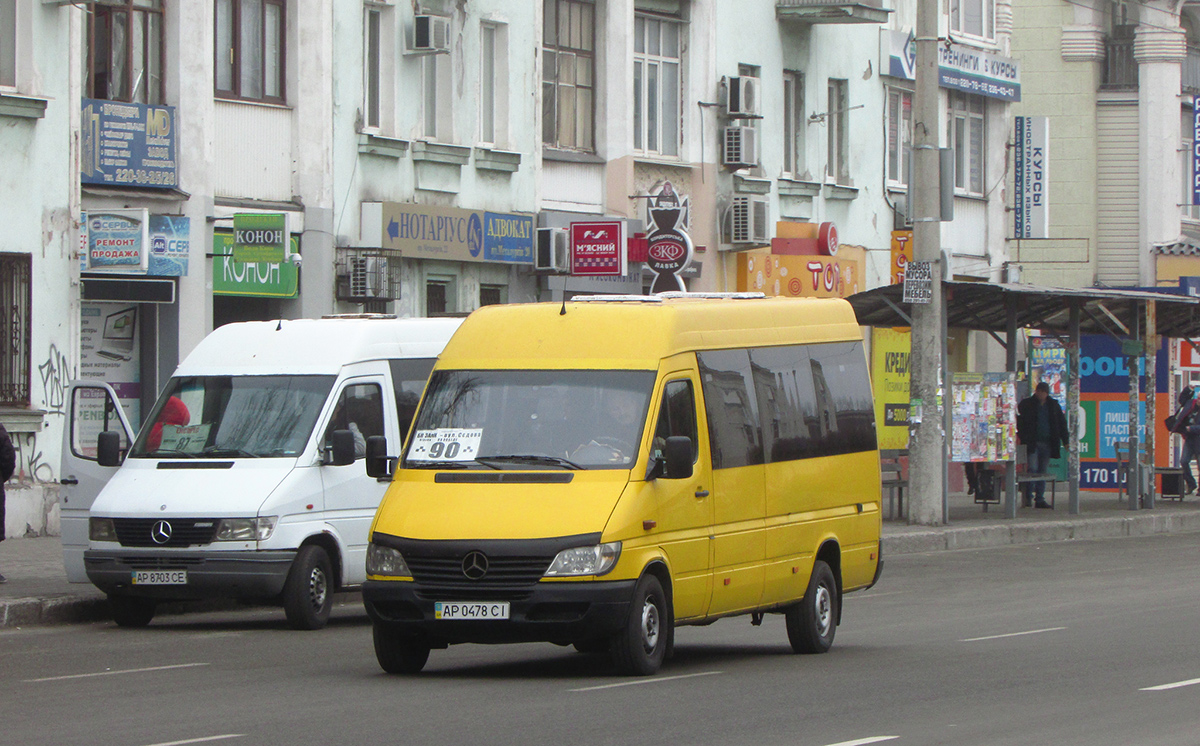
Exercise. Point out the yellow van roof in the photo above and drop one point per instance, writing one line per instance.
(636, 334)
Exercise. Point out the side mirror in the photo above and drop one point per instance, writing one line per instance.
(341, 448)
(377, 458)
(679, 455)
(108, 448)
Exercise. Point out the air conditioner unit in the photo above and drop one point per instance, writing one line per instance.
(748, 220)
(743, 100)
(369, 277)
(553, 251)
(431, 35)
(740, 147)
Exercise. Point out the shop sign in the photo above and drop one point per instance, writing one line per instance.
(598, 248)
(1030, 204)
(260, 237)
(981, 73)
(898, 54)
(669, 247)
(1188, 355)
(449, 233)
(127, 144)
(116, 241)
(256, 279)
(802, 276)
(110, 351)
(1195, 150)
(170, 238)
(902, 254)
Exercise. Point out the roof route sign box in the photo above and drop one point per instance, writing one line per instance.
(918, 282)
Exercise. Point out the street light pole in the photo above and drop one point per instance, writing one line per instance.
(928, 438)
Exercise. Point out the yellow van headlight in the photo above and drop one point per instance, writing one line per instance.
(383, 560)
(595, 560)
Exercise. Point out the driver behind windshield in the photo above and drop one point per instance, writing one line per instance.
(616, 429)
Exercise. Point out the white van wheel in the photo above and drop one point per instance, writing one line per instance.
(812, 623)
(398, 653)
(308, 592)
(639, 648)
(130, 611)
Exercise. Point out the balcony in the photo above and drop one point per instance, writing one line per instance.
(1120, 68)
(1191, 70)
(831, 11)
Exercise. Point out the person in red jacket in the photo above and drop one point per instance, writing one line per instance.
(174, 412)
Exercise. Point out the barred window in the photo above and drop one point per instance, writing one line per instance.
(15, 304)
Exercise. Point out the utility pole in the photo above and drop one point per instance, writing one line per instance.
(927, 437)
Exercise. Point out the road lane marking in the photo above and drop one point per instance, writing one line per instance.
(113, 673)
(657, 680)
(1176, 685)
(206, 739)
(1013, 634)
(864, 741)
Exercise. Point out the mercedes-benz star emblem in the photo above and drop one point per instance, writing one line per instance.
(475, 565)
(161, 533)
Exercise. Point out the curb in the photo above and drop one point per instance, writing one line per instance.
(979, 537)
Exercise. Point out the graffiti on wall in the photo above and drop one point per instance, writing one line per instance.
(55, 376)
(32, 465)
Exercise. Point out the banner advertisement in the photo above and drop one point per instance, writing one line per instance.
(1048, 362)
(255, 279)
(110, 351)
(1195, 150)
(982, 73)
(116, 241)
(1031, 209)
(170, 239)
(598, 248)
(890, 351)
(127, 144)
(449, 233)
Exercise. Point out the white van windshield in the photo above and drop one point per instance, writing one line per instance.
(522, 419)
(233, 416)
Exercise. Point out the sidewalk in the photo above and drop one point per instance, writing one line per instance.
(37, 591)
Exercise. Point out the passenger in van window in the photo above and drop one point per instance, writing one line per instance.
(342, 420)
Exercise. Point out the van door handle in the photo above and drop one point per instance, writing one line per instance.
(700, 494)
(68, 480)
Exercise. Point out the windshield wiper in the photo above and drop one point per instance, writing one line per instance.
(169, 453)
(218, 451)
(533, 459)
(423, 464)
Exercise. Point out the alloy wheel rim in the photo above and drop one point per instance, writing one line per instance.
(823, 606)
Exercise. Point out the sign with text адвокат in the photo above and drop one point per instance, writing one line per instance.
(260, 237)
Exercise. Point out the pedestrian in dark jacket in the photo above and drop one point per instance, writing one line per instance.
(1187, 424)
(1041, 428)
(8, 464)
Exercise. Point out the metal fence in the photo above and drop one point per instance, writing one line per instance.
(1120, 68)
(15, 326)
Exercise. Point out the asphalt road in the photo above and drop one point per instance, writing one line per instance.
(1064, 643)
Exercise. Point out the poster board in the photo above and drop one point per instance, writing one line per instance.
(984, 417)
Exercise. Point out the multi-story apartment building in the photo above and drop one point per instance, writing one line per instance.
(416, 148)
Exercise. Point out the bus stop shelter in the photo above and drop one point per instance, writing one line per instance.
(1134, 317)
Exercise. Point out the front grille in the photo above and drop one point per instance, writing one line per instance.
(185, 532)
(472, 592)
(447, 570)
(142, 562)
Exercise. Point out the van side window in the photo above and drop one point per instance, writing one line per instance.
(408, 382)
(845, 407)
(734, 431)
(676, 417)
(359, 409)
(787, 401)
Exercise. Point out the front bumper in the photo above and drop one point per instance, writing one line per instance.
(209, 574)
(561, 612)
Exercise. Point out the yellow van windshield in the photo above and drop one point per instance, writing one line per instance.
(522, 419)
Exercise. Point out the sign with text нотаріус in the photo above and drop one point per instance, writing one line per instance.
(918, 282)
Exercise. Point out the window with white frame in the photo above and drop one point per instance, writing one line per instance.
(656, 84)
(434, 96)
(249, 49)
(372, 61)
(898, 134)
(125, 51)
(837, 164)
(966, 137)
(380, 42)
(793, 124)
(974, 18)
(568, 74)
(8, 43)
(1189, 210)
(493, 83)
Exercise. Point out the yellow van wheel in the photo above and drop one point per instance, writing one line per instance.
(397, 652)
(812, 623)
(639, 648)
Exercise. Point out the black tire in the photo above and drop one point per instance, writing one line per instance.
(308, 591)
(130, 611)
(398, 653)
(639, 648)
(812, 623)
(592, 647)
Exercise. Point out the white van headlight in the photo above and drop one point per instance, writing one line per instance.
(246, 529)
(101, 529)
(383, 560)
(595, 560)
